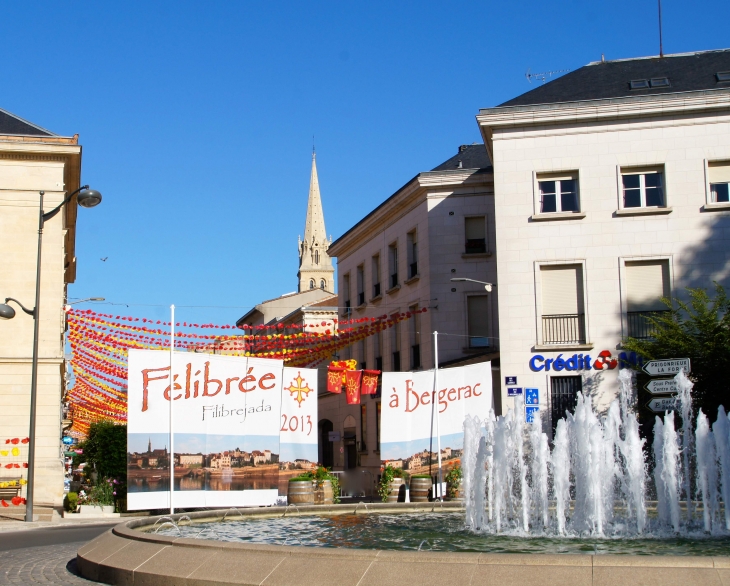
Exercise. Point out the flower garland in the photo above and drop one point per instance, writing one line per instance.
(100, 344)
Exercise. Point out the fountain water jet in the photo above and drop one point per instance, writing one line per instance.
(516, 484)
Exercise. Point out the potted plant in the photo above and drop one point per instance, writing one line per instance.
(391, 480)
(453, 482)
(326, 487)
(100, 498)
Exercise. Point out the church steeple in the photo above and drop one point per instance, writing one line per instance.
(315, 266)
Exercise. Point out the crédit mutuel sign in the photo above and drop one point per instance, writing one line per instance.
(575, 362)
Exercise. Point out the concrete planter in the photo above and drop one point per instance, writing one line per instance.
(95, 509)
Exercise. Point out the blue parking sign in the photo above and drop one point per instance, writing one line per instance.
(532, 396)
(530, 414)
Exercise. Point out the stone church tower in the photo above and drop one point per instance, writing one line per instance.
(315, 265)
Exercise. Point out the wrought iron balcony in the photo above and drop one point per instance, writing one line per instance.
(639, 326)
(564, 329)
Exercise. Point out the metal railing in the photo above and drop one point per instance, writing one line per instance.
(563, 329)
(639, 326)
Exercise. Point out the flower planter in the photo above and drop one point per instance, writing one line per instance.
(453, 493)
(394, 490)
(96, 509)
(420, 488)
(301, 492)
(323, 494)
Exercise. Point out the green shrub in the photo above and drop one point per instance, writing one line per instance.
(71, 502)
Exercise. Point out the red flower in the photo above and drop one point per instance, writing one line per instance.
(4, 503)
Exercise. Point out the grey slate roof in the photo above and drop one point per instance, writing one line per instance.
(14, 125)
(472, 156)
(610, 79)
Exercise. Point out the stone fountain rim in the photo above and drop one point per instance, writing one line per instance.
(125, 554)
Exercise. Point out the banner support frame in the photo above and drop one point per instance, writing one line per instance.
(172, 436)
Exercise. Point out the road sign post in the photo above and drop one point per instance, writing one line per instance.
(666, 367)
(662, 386)
(662, 404)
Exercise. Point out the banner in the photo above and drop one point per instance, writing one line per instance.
(243, 426)
(408, 411)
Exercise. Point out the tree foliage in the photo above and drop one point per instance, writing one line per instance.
(105, 450)
(698, 329)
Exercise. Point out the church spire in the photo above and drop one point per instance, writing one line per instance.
(314, 225)
(315, 266)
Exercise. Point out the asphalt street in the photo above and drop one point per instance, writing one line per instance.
(45, 555)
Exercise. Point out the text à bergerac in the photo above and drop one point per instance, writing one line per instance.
(413, 400)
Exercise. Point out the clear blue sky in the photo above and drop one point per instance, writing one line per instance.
(196, 119)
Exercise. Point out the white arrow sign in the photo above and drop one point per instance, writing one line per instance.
(662, 386)
(662, 404)
(668, 366)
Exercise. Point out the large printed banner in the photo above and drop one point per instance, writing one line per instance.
(408, 413)
(242, 428)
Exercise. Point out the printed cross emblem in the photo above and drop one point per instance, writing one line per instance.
(298, 390)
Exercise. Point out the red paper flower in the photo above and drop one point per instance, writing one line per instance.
(4, 503)
(16, 500)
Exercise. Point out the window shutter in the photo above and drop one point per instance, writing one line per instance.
(475, 228)
(646, 283)
(562, 290)
(719, 172)
(478, 315)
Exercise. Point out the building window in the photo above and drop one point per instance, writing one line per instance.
(563, 396)
(415, 337)
(563, 314)
(377, 426)
(322, 284)
(393, 264)
(412, 242)
(346, 292)
(376, 275)
(558, 194)
(395, 347)
(311, 283)
(646, 283)
(363, 428)
(719, 178)
(643, 188)
(477, 311)
(360, 285)
(377, 350)
(316, 257)
(476, 235)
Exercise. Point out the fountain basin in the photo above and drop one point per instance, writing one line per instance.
(129, 555)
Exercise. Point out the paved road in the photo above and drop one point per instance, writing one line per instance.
(44, 556)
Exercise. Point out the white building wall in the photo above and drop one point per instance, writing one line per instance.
(692, 236)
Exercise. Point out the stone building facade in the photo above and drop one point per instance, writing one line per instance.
(34, 159)
(611, 191)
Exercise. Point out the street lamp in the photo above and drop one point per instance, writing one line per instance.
(87, 299)
(487, 286)
(87, 198)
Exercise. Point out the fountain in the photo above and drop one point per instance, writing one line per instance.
(595, 481)
(597, 491)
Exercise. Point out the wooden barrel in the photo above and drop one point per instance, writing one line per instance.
(420, 487)
(394, 487)
(323, 494)
(453, 493)
(301, 492)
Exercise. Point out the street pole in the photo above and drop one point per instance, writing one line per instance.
(436, 387)
(34, 374)
(172, 435)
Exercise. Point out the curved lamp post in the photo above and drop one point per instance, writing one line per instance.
(487, 286)
(87, 198)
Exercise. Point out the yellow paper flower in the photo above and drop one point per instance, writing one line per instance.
(16, 452)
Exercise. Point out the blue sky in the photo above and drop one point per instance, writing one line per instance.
(395, 450)
(191, 443)
(197, 119)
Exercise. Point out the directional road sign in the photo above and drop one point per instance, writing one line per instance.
(662, 404)
(662, 386)
(668, 366)
(532, 397)
(514, 391)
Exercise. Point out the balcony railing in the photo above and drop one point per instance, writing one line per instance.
(639, 326)
(563, 329)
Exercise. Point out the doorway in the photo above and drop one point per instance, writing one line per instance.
(326, 447)
(563, 396)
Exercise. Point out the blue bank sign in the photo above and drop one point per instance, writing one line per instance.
(604, 361)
